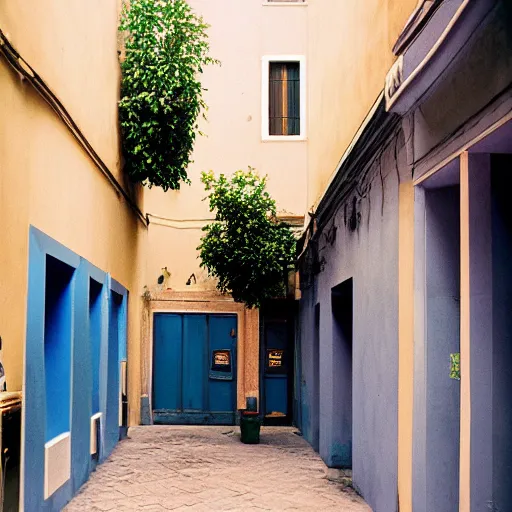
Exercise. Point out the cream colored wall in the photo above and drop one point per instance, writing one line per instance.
(209, 302)
(348, 54)
(350, 45)
(46, 179)
(241, 33)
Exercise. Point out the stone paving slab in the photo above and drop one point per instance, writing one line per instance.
(202, 469)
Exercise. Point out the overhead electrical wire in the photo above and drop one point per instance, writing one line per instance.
(21, 66)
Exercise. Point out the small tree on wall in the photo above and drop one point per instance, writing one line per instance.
(247, 249)
(161, 95)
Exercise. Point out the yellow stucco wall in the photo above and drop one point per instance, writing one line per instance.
(241, 33)
(350, 53)
(46, 179)
(347, 46)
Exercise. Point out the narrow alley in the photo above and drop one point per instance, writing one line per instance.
(292, 215)
(208, 468)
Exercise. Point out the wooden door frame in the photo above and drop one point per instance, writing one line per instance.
(210, 303)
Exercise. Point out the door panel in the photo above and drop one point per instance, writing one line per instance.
(194, 363)
(222, 381)
(168, 334)
(276, 395)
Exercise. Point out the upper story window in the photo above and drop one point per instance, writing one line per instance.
(283, 93)
(284, 98)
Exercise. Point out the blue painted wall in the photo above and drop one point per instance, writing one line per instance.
(95, 315)
(111, 417)
(436, 395)
(57, 345)
(82, 374)
(66, 332)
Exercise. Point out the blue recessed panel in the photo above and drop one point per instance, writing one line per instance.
(95, 316)
(57, 346)
(81, 379)
(112, 392)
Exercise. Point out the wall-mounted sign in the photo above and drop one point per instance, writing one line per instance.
(275, 361)
(221, 363)
(275, 358)
(221, 358)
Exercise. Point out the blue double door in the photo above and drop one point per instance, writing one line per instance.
(194, 369)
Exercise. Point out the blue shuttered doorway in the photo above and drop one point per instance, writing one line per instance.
(194, 369)
(277, 363)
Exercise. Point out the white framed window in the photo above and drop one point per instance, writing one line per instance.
(283, 92)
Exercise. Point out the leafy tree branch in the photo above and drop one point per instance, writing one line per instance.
(247, 249)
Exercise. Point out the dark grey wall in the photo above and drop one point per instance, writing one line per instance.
(502, 334)
(315, 390)
(309, 383)
(368, 255)
(342, 318)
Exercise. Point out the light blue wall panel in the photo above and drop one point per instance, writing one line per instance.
(112, 409)
(82, 379)
(95, 339)
(34, 391)
(35, 402)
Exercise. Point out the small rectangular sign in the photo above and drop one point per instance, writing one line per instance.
(275, 358)
(221, 358)
(221, 365)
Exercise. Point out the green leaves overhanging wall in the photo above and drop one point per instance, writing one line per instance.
(247, 249)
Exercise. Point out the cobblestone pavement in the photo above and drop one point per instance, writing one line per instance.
(194, 469)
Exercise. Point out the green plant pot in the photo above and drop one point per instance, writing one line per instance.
(250, 428)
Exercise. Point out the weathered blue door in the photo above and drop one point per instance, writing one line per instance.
(277, 378)
(194, 369)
